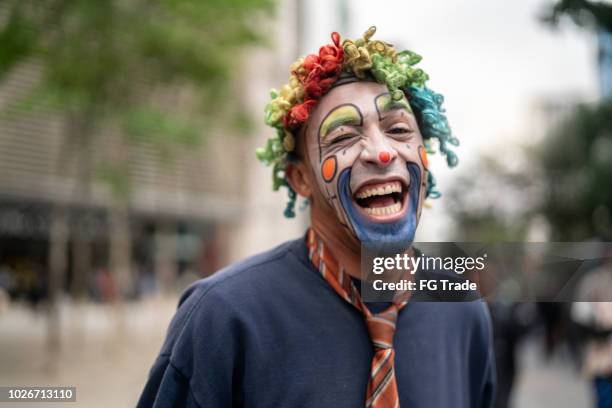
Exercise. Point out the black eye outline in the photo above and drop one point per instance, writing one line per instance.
(343, 136)
(343, 141)
(400, 130)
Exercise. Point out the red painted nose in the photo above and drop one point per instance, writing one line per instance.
(384, 157)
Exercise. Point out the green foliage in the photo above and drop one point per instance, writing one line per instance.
(115, 178)
(576, 159)
(164, 131)
(16, 38)
(582, 12)
(492, 202)
(108, 61)
(569, 180)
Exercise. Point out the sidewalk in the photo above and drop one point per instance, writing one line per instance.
(554, 383)
(108, 366)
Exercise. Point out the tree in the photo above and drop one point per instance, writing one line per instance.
(582, 12)
(490, 201)
(576, 157)
(576, 162)
(110, 64)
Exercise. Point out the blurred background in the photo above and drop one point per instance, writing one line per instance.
(127, 167)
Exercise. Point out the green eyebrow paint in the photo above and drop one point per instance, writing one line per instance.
(384, 103)
(342, 115)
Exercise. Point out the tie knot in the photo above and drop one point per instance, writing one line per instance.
(381, 327)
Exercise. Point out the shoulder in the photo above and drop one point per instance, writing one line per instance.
(461, 315)
(475, 314)
(215, 303)
(250, 274)
(472, 325)
(466, 321)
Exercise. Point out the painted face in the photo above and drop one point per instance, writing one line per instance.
(368, 157)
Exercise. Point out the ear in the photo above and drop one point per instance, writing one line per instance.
(299, 179)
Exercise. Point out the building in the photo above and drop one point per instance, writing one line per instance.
(184, 217)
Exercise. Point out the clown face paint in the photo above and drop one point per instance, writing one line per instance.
(367, 155)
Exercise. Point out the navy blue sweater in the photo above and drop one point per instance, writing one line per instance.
(270, 332)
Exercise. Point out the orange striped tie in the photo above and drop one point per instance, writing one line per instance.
(382, 385)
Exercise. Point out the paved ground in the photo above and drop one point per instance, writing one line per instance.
(553, 383)
(109, 365)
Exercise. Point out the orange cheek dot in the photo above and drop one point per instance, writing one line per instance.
(328, 169)
(423, 154)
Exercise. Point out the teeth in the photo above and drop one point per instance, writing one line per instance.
(393, 187)
(389, 210)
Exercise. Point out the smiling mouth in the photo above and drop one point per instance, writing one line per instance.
(382, 201)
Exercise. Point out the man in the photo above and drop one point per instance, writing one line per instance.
(288, 328)
(592, 314)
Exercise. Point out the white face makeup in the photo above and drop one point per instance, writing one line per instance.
(367, 154)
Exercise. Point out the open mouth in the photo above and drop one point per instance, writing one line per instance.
(386, 200)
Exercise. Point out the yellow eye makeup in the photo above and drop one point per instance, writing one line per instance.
(345, 115)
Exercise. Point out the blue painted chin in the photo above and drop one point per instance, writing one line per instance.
(393, 237)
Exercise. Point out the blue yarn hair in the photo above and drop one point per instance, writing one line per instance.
(427, 107)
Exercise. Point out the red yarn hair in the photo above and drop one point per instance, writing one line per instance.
(318, 75)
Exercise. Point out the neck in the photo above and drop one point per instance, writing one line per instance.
(344, 247)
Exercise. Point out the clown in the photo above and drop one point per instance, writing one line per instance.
(369, 153)
(288, 327)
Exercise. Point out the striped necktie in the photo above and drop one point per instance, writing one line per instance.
(382, 385)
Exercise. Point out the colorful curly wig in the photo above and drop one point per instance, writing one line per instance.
(314, 75)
